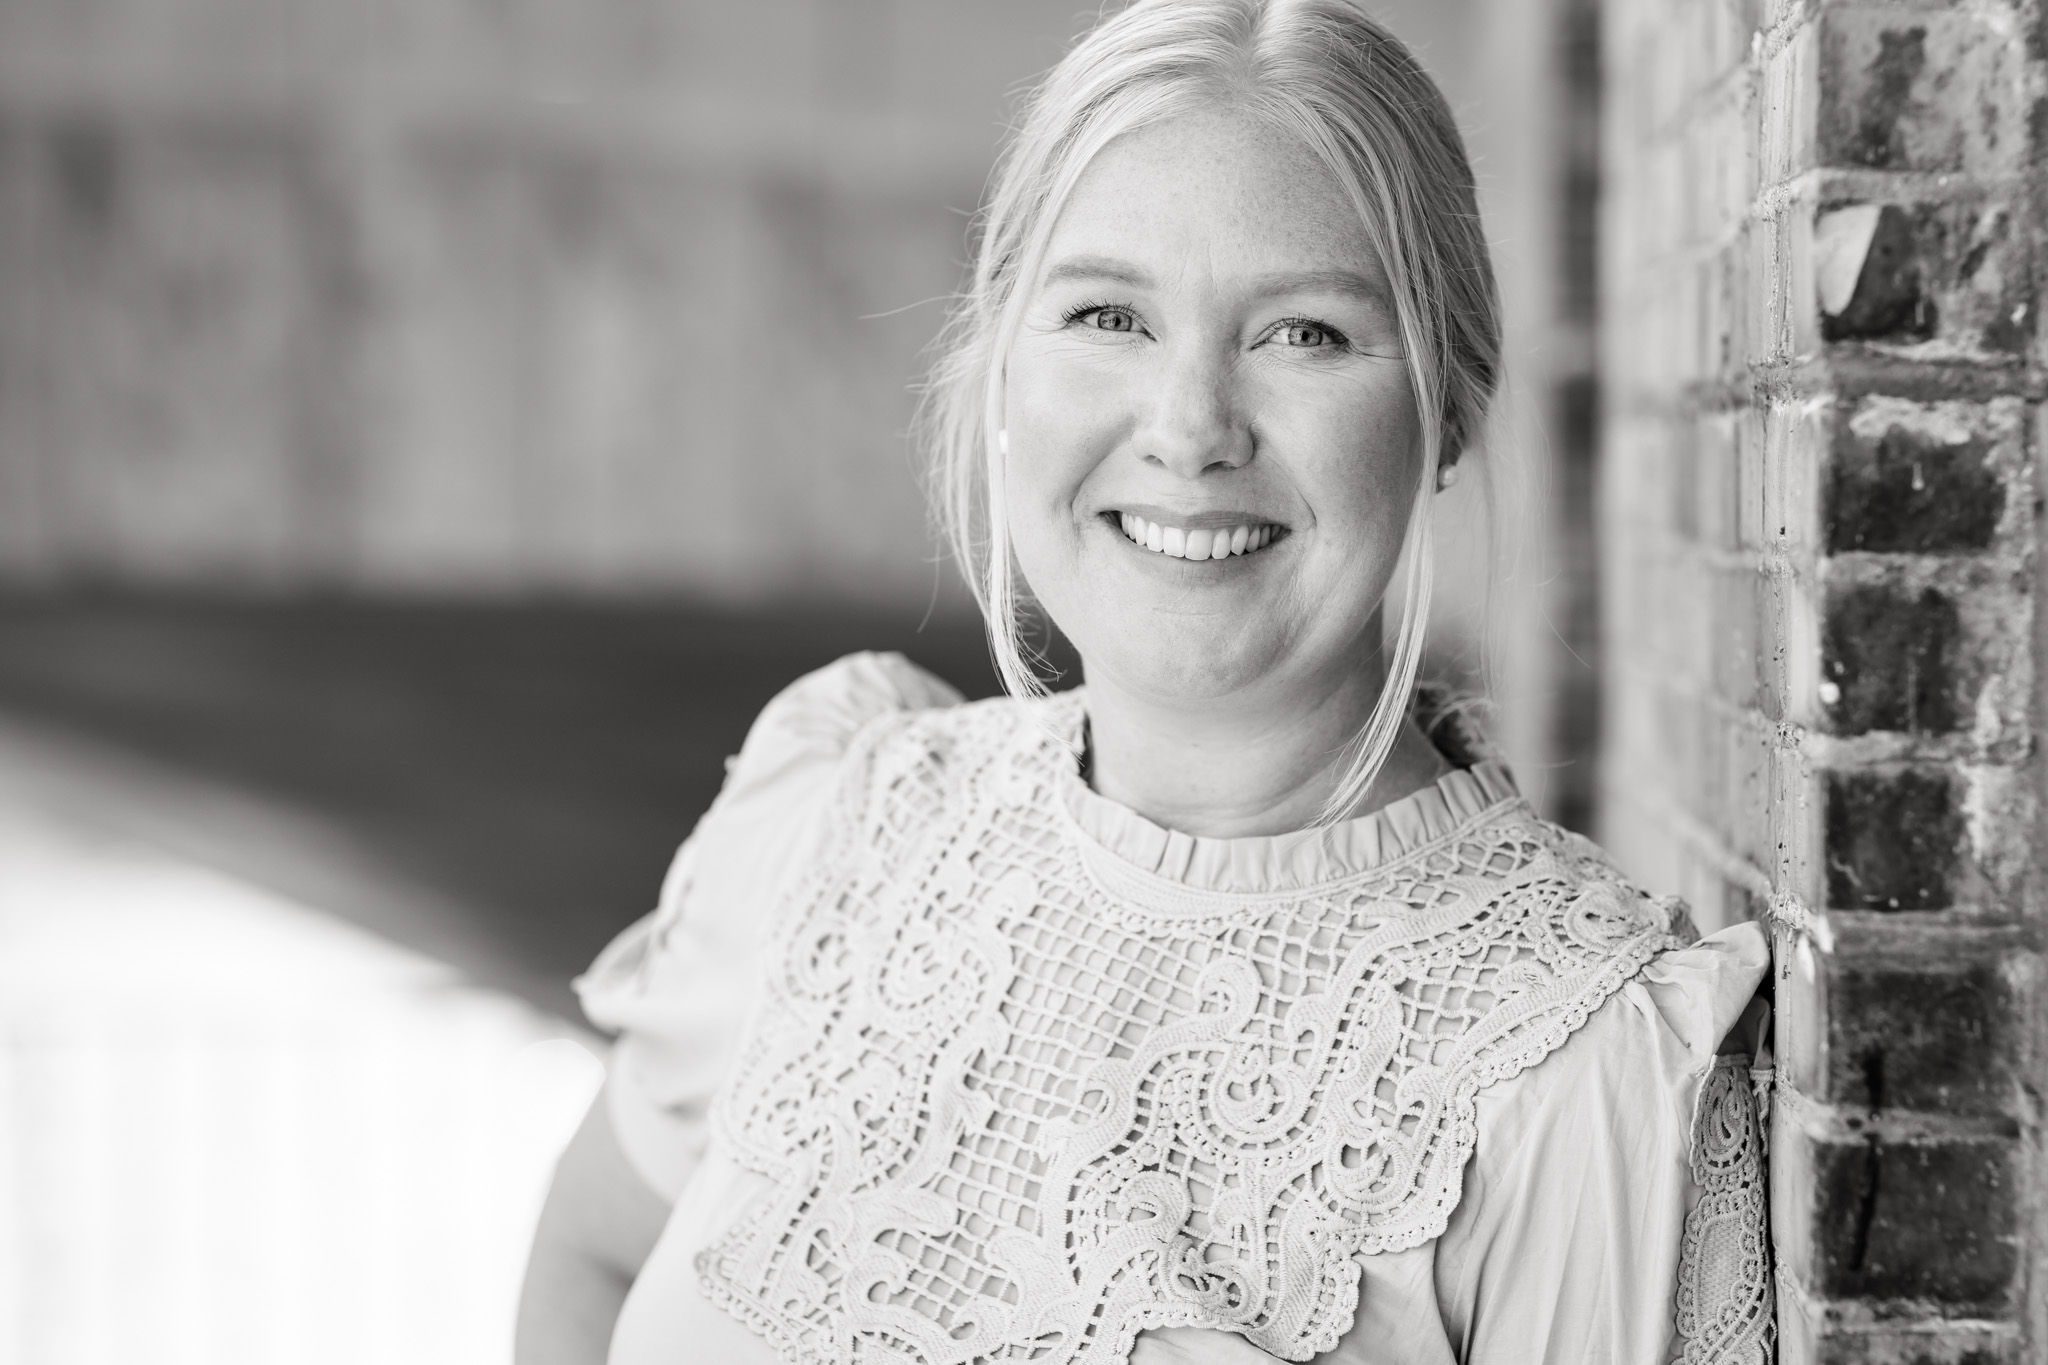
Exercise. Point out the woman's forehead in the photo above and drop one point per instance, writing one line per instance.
(1219, 194)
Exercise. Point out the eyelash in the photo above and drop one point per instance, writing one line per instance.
(1337, 339)
(1081, 310)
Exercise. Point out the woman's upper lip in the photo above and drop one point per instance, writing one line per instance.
(1196, 521)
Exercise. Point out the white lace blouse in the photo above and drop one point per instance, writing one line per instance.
(946, 1058)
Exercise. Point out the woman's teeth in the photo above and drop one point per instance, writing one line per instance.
(1197, 544)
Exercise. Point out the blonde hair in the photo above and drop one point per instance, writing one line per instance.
(1331, 75)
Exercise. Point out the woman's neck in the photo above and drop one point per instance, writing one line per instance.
(1227, 769)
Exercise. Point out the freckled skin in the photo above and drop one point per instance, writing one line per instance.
(1226, 343)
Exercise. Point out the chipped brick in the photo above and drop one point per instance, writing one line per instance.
(1889, 301)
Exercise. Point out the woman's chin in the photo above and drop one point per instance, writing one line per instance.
(1179, 665)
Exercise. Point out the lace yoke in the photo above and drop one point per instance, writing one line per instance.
(1018, 1100)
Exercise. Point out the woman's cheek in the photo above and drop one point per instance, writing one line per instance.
(1039, 494)
(1059, 434)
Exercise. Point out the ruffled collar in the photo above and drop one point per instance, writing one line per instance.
(1292, 862)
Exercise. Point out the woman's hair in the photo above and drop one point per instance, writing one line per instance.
(1327, 73)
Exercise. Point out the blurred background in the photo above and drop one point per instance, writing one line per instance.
(428, 433)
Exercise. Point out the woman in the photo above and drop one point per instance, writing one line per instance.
(1212, 1012)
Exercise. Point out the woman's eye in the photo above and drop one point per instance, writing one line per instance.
(1306, 334)
(1108, 319)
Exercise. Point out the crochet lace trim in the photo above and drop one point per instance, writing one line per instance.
(1008, 1116)
(1726, 1310)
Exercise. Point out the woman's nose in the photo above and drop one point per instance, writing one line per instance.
(1192, 423)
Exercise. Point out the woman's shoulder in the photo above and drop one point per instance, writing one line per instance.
(1662, 1029)
(1693, 988)
(1642, 1001)
(763, 826)
(899, 734)
(815, 719)
(767, 812)
(865, 728)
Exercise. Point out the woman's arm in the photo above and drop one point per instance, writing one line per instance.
(599, 1223)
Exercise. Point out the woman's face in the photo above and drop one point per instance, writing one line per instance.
(1213, 442)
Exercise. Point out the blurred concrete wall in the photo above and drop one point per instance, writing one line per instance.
(491, 294)
(467, 294)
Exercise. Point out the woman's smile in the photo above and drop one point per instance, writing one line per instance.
(1197, 537)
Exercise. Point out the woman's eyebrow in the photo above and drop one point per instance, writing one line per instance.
(1098, 268)
(1321, 282)
(1108, 268)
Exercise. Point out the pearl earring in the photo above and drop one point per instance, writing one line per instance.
(1003, 440)
(1446, 475)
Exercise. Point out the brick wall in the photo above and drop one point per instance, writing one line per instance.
(1820, 514)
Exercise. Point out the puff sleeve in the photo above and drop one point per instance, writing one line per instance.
(1596, 1173)
(675, 985)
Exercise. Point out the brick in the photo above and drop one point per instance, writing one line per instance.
(1913, 489)
(1894, 839)
(1715, 484)
(1929, 91)
(1922, 1220)
(1774, 320)
(1737, 618)
(1890, 299)
(1935, 1038)
(2004, 804)
(1781, 639)
(1787, 144)
(1913, 1344)
(1867, 120)
(1954, 272)
(1862, 1349)
(1891, 655)
(1750, 777)
(1750, 493)
(1844, 1333)
(1975, 260)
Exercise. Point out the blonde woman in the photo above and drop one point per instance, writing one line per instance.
(1213, 1011)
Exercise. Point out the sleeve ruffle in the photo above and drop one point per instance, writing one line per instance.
(675, 985)
(1567, 1244)
(1700, 991)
